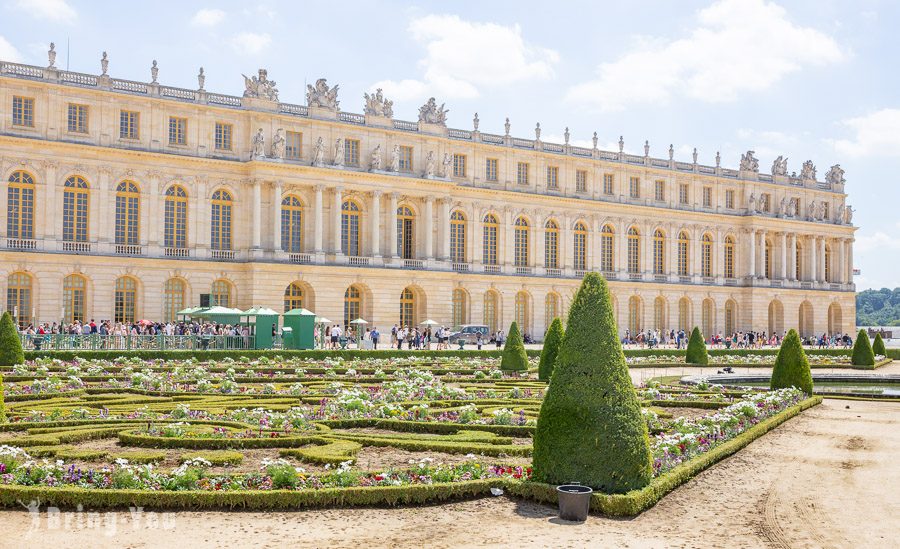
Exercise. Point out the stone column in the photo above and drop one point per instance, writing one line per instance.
(813, 262)
(751, 256)
(256, 227)
(445, 229)
(822, 260)
(792, 257)
(336, 208)
(318, 220)
(839, 271)
(376, 223)
(849, 264)
(277, 191)
(783, 246)
(392, 225)
(428, 225)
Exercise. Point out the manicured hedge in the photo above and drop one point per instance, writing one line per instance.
(550, 349)
(514, 357)
(696, 349)
(331, 452)
(318, 354)
(791, 366)
(862, 351)
(215, 457)
(10, 344)
(131, 438)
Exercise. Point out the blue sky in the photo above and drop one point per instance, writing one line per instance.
(811, 79)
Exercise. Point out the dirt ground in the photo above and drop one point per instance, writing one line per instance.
(825, 479)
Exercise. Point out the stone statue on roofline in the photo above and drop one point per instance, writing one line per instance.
(779, 166)
(808, 172)
(430, 113)
(378, 105)
(260, 87)
(749, 162)
(835, 175)
(322, 96)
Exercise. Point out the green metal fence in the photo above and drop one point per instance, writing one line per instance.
(159, 342)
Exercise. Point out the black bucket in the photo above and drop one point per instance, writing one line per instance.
(574, 502)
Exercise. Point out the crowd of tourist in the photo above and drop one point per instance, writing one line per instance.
(678, 339)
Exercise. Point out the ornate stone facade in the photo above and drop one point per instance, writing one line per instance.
(141, 198)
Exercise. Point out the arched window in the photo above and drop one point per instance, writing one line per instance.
(828, 263)
(349, 229)
(684, 245)
(551, 309)
(489, 240)
(659, 313)
(634, 250)
(551, 245)
(659, 252)
(221, 221)
(521, 242)
(173, 298)
(75, 210)
(523, 314)
(20, 207)
(706, 256)
(607, 256)
(175, 218)
(291, 224)
(684, 314)
(408, 308)
(635, 313)
(768, 259)
(731, 317)
(729, 257)
(460, 311)
(128, 215)
(19, 298)
(458, 237)
(125, 300)
(74, 287)
(707, 314)
(293, 297)
(579, 247)
(406, 242)
(220, 295)
(352, 304)
(491, 310)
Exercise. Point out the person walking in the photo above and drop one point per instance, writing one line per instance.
(375, 335)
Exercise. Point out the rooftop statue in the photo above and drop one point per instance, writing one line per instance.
(378, 105)
(749, 162)
(808, 172)
(779, 167)
(835, 175)
(430, 113)
(260, 87)
(321, 95)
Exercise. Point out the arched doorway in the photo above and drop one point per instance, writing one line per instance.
(776, 317)
(805, 322)
(835, 319)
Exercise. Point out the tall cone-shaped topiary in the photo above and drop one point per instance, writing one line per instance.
(878, 346)
(791, 365)
(590, 429)
(551, 348)
(862, 350)
(696, 349)
(10, 344)
(514, 359)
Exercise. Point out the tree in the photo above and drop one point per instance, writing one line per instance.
(791, 365)
(862, 350)
(878, 345)
(10, 344)
(551, 349)
(514, 359)
(696, 349)
(590, 429)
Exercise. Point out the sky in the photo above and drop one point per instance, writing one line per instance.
(808, 79)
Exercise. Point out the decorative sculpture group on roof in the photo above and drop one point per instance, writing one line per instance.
(779, 167)
(749, 162)
(321, 95)
(808, 172)
(430, 113)
(378, 105)
(260, 86)
(835, 175)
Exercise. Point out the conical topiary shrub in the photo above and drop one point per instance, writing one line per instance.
(878, 346)
(10, 344)
(590, 429)
(862, 350)
(550, 350)
(696, 349)
(791, 365)
(515, 359)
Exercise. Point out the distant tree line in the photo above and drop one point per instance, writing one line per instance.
(878, 307)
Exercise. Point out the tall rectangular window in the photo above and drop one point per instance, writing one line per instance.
(634, 187)
(490, 169)
(351, 152)
(77, 118)
(406, 159)
(660, 190)
(766, 200)
(224, 134)
(23, 111)
(293, 145)
(522, 173)
(552, 177)
(608, 180)
(826, 212)
(459, 165)
(707, 197)
(684, 195)
(581, 181)
(128, 124)
(729, 199)
(177, 131)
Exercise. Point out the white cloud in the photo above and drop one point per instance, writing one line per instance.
(8, 52)
(462, 57)
(55, 10)
(877, 241)
(207, 18)
(251, 43)
(738, 47)
(877, 134)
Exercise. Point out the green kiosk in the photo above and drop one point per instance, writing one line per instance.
(299, 329)
(264, 322)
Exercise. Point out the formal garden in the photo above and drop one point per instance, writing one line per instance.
(270, 430)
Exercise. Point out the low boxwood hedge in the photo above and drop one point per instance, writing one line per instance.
(215, 457)
(331, 452)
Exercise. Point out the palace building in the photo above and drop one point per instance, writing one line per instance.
(129, 200)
